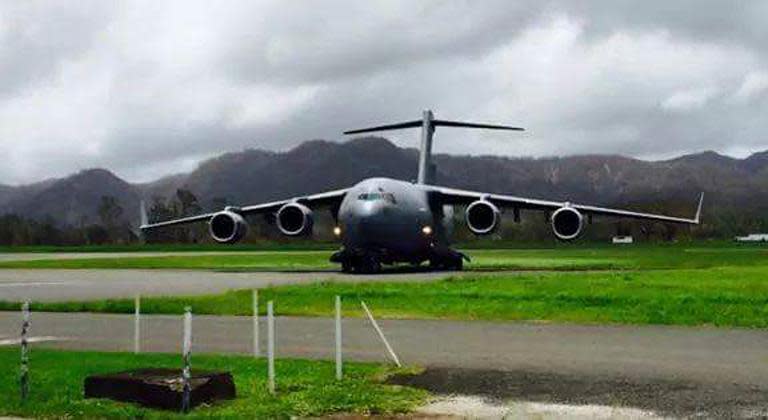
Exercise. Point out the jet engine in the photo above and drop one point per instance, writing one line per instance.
(294, 219)
(482, 217)
(567, 223)
(227, 227)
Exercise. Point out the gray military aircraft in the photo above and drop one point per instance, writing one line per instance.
(385, 221)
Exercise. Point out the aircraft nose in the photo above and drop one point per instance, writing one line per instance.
(370, 219)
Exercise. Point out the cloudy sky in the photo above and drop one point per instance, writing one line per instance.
(148, 88)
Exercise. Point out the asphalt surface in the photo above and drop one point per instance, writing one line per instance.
(59, 285)
(673, 370)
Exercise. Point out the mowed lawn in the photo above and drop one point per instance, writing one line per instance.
(556, 258)
(722, 296)
(304, 388)
(720, 285)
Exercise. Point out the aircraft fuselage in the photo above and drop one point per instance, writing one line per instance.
(391, 220)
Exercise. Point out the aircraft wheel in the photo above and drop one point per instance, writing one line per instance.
(346, 266)
(368, 265)
(437, 264)
(447, 263)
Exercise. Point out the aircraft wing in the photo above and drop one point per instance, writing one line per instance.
(321, 199)
(454, 196)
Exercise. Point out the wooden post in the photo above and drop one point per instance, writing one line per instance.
(271, 347)
(24, 371)
(186, 372)
(137, 324)
(381, 334)
(339, 372)
(256, 352)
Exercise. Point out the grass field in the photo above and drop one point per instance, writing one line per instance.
(559, 258)
(669, 284)
(725, 296)
(304, 388)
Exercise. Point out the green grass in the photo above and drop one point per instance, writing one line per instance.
(304, 388)
(722, 296)
(722, 285)
(557, 258)
(262, 245)
(252, 261)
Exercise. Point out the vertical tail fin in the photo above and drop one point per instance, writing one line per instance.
(428, 123)
(144, 218)
(697, 219)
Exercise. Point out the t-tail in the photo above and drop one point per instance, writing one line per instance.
(428, 123)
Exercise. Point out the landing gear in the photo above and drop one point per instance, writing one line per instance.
(357, 263)
(346, 266)
(447, 262)
(367, 264)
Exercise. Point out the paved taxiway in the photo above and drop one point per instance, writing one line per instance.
(58, 285)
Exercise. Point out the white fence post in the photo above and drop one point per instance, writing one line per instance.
(339, 372)
(24, 371)
(186, 372)
(137, 324)
(256, 352)
(381, 334)
(271, 346)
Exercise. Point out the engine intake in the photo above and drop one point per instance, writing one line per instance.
(482, 217)
(567, 223)
(227, 227)
(294, 219)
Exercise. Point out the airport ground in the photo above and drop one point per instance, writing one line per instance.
(537, 325)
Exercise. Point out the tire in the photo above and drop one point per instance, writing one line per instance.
(367, 265)
(346, 266)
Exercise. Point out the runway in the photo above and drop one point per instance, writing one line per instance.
(676, 370)
(60, 285)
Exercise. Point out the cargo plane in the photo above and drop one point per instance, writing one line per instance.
(386, 221)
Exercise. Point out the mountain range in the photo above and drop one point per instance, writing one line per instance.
(732, 186)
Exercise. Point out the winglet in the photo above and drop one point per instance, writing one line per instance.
(698, 210)
(144, 218)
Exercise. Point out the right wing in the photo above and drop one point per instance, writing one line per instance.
(321, 199)
(455, 196)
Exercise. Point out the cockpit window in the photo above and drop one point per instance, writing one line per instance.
(389, 197)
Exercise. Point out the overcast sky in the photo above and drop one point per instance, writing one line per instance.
(148, 88)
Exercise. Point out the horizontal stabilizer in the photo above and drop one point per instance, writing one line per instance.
(433, 123)
(398, 126)
(445, 123)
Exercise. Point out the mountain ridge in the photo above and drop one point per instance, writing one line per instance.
(255, 175)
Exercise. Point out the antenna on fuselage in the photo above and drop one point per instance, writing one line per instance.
(428, 123)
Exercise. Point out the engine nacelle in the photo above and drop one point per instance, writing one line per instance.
(482, 217)
(567, 223)
(294, 219)
(227, 227)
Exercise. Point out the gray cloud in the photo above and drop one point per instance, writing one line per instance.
(149, 88)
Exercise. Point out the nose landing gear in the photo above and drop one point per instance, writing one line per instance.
(360, 264)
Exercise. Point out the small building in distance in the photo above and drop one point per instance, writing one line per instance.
(753, 237)
(622, 240)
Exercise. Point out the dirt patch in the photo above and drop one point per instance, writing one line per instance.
(663, 396)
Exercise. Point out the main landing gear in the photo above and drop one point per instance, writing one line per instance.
(365, 264)
(451, 262)
(446, 260)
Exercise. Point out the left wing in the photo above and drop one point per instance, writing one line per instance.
(325, 198)
(453, 196)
